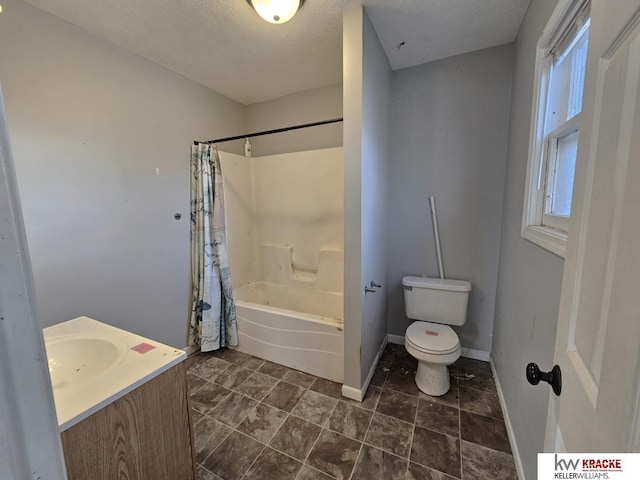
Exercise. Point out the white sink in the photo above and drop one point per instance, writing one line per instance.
(78, 358)
(91, 364)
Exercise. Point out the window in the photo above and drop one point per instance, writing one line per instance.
(560, 71)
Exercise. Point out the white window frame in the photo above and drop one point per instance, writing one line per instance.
(536, 226)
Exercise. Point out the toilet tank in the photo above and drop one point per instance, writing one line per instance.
(436, 300)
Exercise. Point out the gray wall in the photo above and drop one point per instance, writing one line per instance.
(296, 109)
(529, 278)
(367, 77)
(90, 123)
(449, 127)
(376, 107)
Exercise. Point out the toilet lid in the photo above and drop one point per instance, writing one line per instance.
(432, 337)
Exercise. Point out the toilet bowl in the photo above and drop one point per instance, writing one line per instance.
(435, 347)
(435, 304)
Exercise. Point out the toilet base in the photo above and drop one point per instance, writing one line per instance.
(433, 379)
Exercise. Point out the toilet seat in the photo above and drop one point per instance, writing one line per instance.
(432, 338)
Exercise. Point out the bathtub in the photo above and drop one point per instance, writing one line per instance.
(295, 326)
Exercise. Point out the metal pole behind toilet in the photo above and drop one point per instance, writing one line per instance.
(436, 233)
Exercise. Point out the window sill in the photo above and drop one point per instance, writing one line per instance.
(547, 238)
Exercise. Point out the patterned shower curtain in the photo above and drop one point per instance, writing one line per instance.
(213, 313)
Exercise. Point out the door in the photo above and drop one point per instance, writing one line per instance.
(29, 440)
(598, 339)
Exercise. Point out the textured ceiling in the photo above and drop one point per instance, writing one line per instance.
(224, 45)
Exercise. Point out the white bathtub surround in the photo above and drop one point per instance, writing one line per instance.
(280, 266)
(93, 364)
(273, 324)
(327, 306)
(285, 240)
(299, 201)
(292, 318)
(292, 199)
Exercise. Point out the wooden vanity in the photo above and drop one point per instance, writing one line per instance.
(122, 403)
(144, 435)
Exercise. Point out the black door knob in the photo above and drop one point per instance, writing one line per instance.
(553, 378)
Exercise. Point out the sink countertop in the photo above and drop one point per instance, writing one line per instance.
(93, 364)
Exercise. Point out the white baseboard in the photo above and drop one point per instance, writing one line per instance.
(374, 365)
(358, 394)
(191, 349)
(395, 339)
(466, 352)
(352, 393)
(507, 421)
(476, 354)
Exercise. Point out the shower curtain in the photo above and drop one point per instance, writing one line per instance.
(213, 314)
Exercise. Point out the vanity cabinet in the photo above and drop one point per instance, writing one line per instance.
(144, 435)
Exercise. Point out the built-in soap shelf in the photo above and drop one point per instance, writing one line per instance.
(278, 267)
(304, 273)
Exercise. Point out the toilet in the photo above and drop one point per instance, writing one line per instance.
(435, 304)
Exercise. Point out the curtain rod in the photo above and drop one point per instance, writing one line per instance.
(269, 132)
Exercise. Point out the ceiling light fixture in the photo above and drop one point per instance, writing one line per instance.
(276, 11)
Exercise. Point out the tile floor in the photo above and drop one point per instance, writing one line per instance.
(258, 420)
